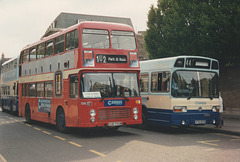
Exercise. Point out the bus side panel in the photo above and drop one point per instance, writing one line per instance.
(158, 109)
(157, 101)
(159, 117)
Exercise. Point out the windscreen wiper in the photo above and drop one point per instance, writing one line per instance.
(211, 98)
(125, 98)
(189, 97)
(191, 94)
(102, 99)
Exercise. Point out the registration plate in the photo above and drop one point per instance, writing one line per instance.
(200, 121)
(111, 124)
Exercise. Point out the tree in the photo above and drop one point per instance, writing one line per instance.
(197, 27)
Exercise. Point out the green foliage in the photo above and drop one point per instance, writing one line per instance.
(197, 27)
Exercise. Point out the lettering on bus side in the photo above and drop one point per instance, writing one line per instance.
(44, 105)
(114, 103)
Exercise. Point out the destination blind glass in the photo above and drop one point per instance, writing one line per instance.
(198, 63)
(111, 59)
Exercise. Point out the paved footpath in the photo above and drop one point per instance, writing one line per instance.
(230, 125)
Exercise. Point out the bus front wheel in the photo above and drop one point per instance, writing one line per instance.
(60, 121)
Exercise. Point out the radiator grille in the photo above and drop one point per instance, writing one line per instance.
(116, 113)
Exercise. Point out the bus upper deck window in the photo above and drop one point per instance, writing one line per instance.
(49, 48)
(72, 40)
(95, 38)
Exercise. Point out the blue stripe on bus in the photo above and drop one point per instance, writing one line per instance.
(163, 117)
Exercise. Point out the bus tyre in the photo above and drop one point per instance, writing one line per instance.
(144, 117)
(60, 121)
(28, 114)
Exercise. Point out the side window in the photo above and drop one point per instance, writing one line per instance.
(32, 54)
(32, 89)
(40, 90)
(40, 51)
(59, 44)
(73, 87)
(15, 64)
(58, 84)
(26, 89)
(72, 40)
(48, 89)
(23, 89)
(10, 66)
(49, 48)
(144, 82)
(160, 82)
(25, 56)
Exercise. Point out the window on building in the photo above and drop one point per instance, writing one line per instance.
(48, 89)
(32, 55)
(144, 82)
(59, 44)
(49, 48)
(72, 40)
(73, 87)
(160, 82)
(40, 89)
(32, 89)
(40, 51)
(8, 90)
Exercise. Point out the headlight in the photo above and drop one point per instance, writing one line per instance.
(184, 109)
(180, 108)
(92, 119)
(215, 108)
(92, 112)
(135, 117)
(135, 110)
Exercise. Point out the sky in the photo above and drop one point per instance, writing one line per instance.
(23, 22)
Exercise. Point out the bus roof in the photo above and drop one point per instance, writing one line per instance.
(10, 60)
(166, 63)
(84, 24)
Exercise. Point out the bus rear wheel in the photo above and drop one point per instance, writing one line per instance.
(60, 121)
(28, 114)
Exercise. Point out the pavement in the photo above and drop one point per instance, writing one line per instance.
(229, 126)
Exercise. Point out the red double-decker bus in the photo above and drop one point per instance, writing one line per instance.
(82, 76)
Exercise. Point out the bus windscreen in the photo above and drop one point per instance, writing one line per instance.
(195, 84)
(102, 85)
